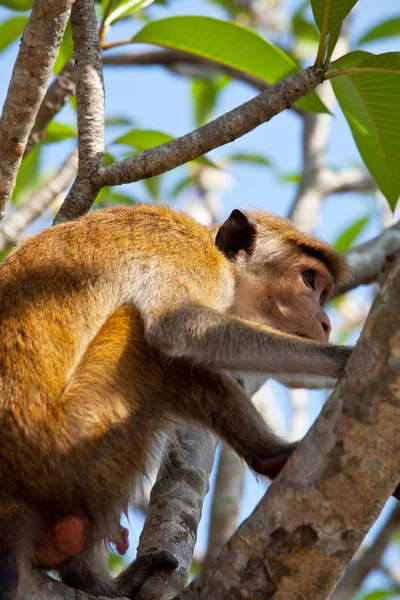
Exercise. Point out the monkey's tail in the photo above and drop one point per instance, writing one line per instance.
(10, 523)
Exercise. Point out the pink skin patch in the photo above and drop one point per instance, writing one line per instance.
(122, 544)
(67, 538)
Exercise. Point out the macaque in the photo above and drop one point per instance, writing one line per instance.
(111, 327)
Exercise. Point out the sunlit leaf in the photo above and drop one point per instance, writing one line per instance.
(347, 238)
(334, 11)
(255, 159)
(225, 42)
(56, 132)
(381, 595)
(28, 177)
(10, 30)
(153, 185)
(182, 185)
(385, 29)
(123, 8)
(370, 102)
(144, 139)
(19, 5)
(66, 50)
(313, 103)
(205, 93)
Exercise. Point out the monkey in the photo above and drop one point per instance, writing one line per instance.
(116, 324)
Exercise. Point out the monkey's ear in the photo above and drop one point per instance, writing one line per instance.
(237, 233)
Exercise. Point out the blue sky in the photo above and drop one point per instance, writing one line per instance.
(156, 99)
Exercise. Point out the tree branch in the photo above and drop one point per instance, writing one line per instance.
(32, 70)
(57, 95)
(222, 130)
(370, 559)
(183, 63)
(90, 101)
(338, 477)
(175, 508)
(15, 223)
(367, 260)
(165, 157)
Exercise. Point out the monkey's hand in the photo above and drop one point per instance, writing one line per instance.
(271, 465)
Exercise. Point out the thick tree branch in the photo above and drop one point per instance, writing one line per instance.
(339, 477)
(222, 130)
(370, 559)
(15, 223)
(90, 101)
(367, 260)
(31, 73)
(175, 508)
(57, 95)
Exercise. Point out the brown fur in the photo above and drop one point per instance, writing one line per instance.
(114, 323)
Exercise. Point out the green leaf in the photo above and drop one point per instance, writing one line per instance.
(153, 184)
(118, 121)
(66, 50)
(370, 103)
(313, 103)
(304, 29)
(183, 184)
(255, 159)
(123, 8)
(56, 132)
(332, 41)
(28, 175)
(11, 30)
(205, 93)
(380, 595)
(347, 238)
(221, 41)
(333, 10)
(143, 139)
(19, 5)
(385, 29)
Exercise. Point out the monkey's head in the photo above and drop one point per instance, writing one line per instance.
(284, 277)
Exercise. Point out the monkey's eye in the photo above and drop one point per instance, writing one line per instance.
(309, 278)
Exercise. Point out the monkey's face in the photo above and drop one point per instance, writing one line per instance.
(284, 277)
(285, 289)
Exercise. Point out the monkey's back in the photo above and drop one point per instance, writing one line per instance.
(70, 351)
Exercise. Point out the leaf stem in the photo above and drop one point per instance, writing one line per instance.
(115, 44)
(360, 70)
(319, 61)
(102, 30)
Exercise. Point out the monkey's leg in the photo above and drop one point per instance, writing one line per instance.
(217, 401)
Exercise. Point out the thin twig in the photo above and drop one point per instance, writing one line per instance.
(15, 223)
(32, 70)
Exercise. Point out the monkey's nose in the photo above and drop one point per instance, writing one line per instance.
(326, 326)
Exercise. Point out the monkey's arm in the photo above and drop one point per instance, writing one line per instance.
(210, 338)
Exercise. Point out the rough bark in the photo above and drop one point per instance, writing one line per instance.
(222, 130)
(175, 508)
(339, 478)
(370, 559)
(90, 101)
(31, 73)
